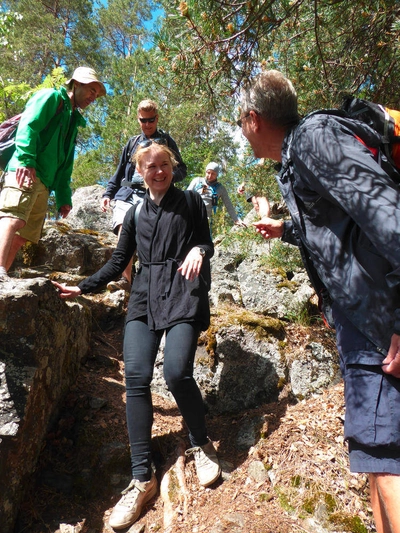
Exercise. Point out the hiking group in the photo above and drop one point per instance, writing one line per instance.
(344, 217)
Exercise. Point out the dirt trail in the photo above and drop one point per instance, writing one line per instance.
(85, 462)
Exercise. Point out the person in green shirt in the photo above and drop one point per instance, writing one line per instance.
(43, 161)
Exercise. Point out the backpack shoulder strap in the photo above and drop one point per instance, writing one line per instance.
(138, 207)
(189, 200)
(215, 187)
(133, 141)
(164, 135)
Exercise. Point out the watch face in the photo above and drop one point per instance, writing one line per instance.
(202, 252)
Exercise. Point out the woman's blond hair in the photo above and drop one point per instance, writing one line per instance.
(143, 150)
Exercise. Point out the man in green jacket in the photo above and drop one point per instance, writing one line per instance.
(43, 161)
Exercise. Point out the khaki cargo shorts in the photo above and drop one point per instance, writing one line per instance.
(121, 208)
(26, 203)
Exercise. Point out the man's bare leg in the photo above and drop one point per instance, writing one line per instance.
(385, 498)
(10, 243)
(16, 245)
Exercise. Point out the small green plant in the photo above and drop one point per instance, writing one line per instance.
(241, 241)
(284, 501)
(310, 504)
(330, 502)
(302, 317)
(265, 497)
(352, 524)
(295, 481)
(283, 256)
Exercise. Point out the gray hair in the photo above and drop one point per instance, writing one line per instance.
(272, 96)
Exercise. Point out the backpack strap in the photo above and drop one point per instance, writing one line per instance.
(189, 201)
(133, 142)
(138, 207)
(199, 186)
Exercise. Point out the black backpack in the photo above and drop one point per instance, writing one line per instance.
(8, 129)
(383, 120)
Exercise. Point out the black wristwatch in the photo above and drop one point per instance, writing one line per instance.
(202, 251)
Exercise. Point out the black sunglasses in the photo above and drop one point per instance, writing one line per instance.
(240, 121)
(149, 142)
(145, 120)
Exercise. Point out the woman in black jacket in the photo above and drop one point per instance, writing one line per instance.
(169, 294)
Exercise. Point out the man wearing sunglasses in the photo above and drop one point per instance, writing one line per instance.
(126, 186)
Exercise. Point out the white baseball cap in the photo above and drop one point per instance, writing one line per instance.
(86, 75)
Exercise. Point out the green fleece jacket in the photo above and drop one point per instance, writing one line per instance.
(45, 140)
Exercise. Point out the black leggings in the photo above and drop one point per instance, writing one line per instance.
(140, 351)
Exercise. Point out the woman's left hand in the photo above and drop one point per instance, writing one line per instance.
(66, 292)
(191, 266)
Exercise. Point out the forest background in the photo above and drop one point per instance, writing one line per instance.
(192, 58)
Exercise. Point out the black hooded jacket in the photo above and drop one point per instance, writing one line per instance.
(164, 236)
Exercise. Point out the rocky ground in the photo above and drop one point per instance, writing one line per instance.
(294, 479)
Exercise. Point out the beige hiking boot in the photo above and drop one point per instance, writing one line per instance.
(207, 465)
(129, 507)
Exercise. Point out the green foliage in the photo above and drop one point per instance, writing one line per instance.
(193, 64)
(283, 256)
(13, 98)
(241, 241)
(122, 24)
(327, 48)
(87, 171)
(258, 176)
(47, 36)
(7, 25)
(54, 80)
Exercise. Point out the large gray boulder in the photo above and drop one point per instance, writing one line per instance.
(79, 244)
(244, 282)
(248, 369)
(245, 363)
(43, 340)
(63, 249)
(86, 212)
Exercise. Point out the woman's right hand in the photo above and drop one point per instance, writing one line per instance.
(105, 203)
(66, 292)
(190, 268)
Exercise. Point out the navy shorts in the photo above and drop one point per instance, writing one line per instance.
(372, 420)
